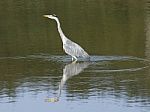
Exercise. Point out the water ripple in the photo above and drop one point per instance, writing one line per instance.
(66, 58)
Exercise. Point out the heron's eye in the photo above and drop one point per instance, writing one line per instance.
(54, 15)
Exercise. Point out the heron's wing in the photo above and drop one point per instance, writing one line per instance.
(74, 49)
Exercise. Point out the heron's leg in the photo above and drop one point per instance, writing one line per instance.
(72, 58)
(75, 58)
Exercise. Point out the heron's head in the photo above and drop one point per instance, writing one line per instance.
(53, 16)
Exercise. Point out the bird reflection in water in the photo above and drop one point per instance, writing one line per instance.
(69, 71)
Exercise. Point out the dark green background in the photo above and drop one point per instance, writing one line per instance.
(102, 27)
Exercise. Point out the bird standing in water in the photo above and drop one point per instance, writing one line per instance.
(70, 47)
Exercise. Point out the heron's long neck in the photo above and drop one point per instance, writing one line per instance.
(62, 35)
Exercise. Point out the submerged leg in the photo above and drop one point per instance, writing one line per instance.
(73, 57)
(73, 62)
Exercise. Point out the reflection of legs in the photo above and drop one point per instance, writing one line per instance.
(73, 62)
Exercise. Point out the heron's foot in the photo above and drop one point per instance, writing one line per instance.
(76, 59)
(73, 57)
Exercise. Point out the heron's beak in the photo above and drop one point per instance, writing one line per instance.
(53, 100)
(45, 16)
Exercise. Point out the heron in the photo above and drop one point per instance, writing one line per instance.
(70, 47)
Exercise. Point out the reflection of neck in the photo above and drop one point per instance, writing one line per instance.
(63, 38)
(69, 71)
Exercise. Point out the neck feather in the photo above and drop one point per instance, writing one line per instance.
(62, 35)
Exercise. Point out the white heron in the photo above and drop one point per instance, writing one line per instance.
(70, 47)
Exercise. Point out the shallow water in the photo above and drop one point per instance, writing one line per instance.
(37, 76)
(45, 82)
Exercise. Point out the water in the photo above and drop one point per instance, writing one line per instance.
(36, 75)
